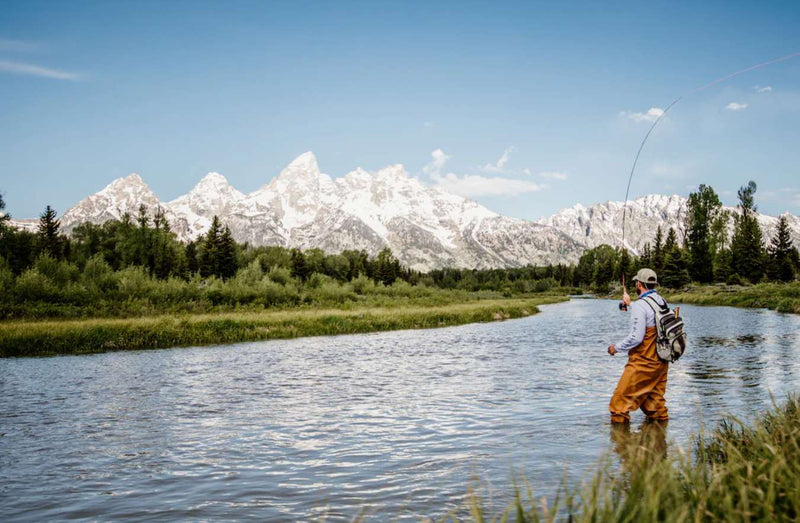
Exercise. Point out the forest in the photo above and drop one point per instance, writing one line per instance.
(136, 266)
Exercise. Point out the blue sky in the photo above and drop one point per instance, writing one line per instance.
(525, 107)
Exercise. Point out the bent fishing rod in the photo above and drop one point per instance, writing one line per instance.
(661, 117)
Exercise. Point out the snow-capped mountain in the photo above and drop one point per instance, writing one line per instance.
(424, 226)
(303, 207)
(123, 195)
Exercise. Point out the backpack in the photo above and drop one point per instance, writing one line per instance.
(671, 338)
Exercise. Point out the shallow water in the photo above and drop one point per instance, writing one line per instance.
(398, 424)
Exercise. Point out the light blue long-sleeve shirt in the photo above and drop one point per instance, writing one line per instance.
(642, 316)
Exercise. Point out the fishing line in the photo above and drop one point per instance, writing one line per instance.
(678, 99)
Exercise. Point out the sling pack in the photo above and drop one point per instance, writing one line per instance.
(669, 329)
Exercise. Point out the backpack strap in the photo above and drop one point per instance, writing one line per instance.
(653, 304)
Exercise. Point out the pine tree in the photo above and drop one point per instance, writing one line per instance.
(658, 250)
(646, 259)
(227, 259)
(747, 254)
(386, 266)
(207, 259)
(781, 266)
(624, 265)
(704, 207)
(49, 240)
(299, 265)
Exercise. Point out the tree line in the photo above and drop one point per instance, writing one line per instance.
(702, 250)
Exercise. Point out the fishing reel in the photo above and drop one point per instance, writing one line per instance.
(622, 306)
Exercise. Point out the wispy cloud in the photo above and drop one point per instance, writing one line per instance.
(765, 89)
(429, 125)
(18, 46)
(553, 175)
(22, 68)
(652, 114)
(472, 185)
(434, 168)
(736, 106)
(499, 166)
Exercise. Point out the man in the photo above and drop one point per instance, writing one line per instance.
(644, 380)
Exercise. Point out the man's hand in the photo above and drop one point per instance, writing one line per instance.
(626, 298)
(612, 349)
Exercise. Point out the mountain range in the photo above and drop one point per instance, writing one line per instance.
(424, 226)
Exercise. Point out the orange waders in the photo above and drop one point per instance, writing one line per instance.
(642, 384)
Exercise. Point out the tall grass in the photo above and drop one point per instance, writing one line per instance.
(782, 297)
(738, 472)
(42, 338)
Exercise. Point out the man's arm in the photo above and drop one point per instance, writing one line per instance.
(638, 326)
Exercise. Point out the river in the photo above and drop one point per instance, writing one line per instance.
(395, 424)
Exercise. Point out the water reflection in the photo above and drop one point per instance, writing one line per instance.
(398, 422)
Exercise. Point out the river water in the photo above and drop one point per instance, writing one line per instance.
(395, 425)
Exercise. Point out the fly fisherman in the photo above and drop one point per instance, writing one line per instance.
(644, 380)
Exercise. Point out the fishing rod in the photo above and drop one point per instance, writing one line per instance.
(661, 117)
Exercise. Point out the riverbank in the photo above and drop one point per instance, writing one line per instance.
(45, 338)
(740, 472)
(783, 297)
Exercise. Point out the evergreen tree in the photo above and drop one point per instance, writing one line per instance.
(646, 259)
(781, 266)
(49, 240)
(386, 266)
(676, 269)
(208, 256)
(747, 254)
(703, 208)
(190, 253)
(658, 251)
(624, 265)
(227, 257)
(299, 265)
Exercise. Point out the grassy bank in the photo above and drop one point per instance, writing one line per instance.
(739, 472)
(42, 338)
(783, 297)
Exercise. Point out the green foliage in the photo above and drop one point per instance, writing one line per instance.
(747, 253)
(50, 241)
(704, 208)
(782, 264)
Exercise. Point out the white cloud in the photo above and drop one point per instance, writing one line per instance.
(553, 175)
(437, 164)
(526, 171)
(736, 106)
(652, 114)
(429, 125)
(21, 68)
(765, 89)
(499, 166)
(472, 186)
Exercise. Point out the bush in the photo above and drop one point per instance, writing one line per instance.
(98, 275)
(735, 279)
(33, 286)
(58, 271)
(332, 292)
(363, 285)
(280, 275)
(134, 282)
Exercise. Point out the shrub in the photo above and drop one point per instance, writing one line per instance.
(134, 282)
(58, 271)
(363, 285)
(97, 274)
(33, 286)
(280, 275)
(333, 292)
